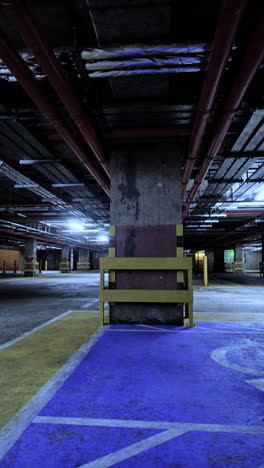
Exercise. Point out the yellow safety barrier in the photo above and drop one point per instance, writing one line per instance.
(83, 266)
(179, 264)
(238, 266)
(205, 271)
(64, 267)
(31, 267)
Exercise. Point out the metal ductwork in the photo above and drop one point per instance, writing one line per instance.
(250, 62)
(21, 17)
(227, 26)
(37, 93)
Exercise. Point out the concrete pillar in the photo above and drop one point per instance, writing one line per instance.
(65, 253)
(30, 256)
(71, 258)
(83, 260)
(261, 264)
(65, 259)
(145, 207)
(219, 260)
(238, 253)
(31, 250)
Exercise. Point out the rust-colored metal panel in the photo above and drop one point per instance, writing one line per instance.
(146, 241)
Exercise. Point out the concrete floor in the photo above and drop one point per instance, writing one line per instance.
(151, 396)
(26, 303)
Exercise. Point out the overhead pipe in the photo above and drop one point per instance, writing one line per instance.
(20, 15)
(125, 133)
(250, 62)
(227, 26)
(44, 240)
(46, 106)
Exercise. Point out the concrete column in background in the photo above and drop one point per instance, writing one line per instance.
(31, 250)
(83, 260)
(65, 253)
(238, 253)
(30, 256)
(83, 255)
(219, 260)
(71, 258)
(145, 208)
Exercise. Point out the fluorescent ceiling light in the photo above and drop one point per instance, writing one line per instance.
(76, 226)
(25, 162)
(67, 185)
(83, 199)
(103, 237)
(26, 185)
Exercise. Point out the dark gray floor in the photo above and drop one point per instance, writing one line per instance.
(27, 303)
(229, 293)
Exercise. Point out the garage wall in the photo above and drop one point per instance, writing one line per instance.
(9, 256)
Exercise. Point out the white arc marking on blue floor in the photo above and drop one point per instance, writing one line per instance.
(219, 355)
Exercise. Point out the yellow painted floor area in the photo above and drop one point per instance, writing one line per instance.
(234, 317)
(27, 365)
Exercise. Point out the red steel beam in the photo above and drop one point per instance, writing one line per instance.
(228, 23)
(21, 17)
(250, 62)
(35, 90)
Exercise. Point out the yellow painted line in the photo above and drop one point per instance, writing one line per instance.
(27, 365)
(231, 317)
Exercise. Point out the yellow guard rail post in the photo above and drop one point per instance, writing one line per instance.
(238, 266)
(31, 268)
(205, 271)
(83, 266)
(64, 267)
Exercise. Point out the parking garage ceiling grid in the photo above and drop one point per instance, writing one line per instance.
(138, 73)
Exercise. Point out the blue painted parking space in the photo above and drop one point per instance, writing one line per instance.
(155, 396)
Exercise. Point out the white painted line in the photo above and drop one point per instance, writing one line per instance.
(130, 423)
(171, 430)
(88, 304)
(258, 383)
(134, 449)
(19, 423)
(30, 332)
(153, 327)
(195, 330)
(143, 331)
